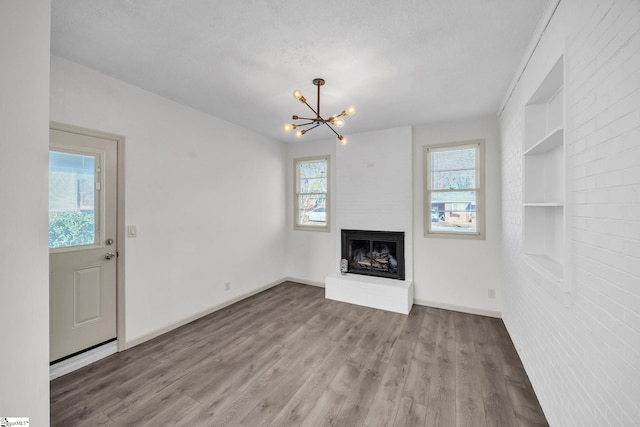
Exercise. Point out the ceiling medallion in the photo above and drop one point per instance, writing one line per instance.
(336, 120)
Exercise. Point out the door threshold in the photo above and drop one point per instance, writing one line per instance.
(83, 359)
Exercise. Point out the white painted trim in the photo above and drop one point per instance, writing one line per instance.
(461, 309)
(146, 337)
(121, 236)
(545, 19)
(82, 360)
(304, 282)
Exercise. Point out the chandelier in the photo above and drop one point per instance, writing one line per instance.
(336, 120)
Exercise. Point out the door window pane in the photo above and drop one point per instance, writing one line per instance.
(72, 199)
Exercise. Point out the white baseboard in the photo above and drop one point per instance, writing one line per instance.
(452, 307)
(82, 360)
(304, 281)
(156, 333)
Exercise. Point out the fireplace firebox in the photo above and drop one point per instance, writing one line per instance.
(374, 253)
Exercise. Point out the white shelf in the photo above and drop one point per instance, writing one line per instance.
(550, 142)
(551, 267)
(545, 205)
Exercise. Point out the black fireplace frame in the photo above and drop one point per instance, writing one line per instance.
(377, 236)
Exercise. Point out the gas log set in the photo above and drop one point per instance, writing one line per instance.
(374, 253)
(382, 261)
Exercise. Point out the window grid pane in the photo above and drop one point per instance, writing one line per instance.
(454, 211)
(313, 185)
(72, 199)
(460, 179)
(453, 168)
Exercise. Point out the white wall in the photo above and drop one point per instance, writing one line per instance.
(24, 257)
(434, 266)
(313, 255)
(457, 273)
(310, 254)
(581, 349)
(207, 197)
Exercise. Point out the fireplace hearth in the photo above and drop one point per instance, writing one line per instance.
(374, 253)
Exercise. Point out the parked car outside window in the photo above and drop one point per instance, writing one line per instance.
(318, 215)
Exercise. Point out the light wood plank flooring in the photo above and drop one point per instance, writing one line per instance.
(288, 357)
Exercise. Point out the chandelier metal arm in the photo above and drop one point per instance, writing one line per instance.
(305, 124)
(311, 108)
(313, 119)
(332, 129)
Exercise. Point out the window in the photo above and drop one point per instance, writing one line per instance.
(454, 196)
(72, 199)
(311, 198)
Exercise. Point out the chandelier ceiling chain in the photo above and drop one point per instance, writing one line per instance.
(336, 120)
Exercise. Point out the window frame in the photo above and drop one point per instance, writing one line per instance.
(296, 162)
(479, 234)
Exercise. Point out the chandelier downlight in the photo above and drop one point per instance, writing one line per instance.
(336, 120)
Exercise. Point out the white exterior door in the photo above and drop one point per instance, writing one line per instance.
(82, 242)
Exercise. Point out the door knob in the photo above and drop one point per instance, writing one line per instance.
(109, 255)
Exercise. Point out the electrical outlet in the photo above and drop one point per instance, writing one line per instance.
(492, 293)
(227, 286)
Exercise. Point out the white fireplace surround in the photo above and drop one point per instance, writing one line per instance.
(374, 192)
(370, 291)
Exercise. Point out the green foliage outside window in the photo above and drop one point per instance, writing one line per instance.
(71, 228)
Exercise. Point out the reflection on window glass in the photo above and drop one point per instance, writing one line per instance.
(72, 196)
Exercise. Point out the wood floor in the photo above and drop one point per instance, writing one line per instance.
(288, 357)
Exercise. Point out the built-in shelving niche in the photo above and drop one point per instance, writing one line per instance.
(544, 230)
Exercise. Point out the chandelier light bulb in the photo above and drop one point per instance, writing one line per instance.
(338, 122)
(297, 94)
(350, 110)
(288, 127)
(299, 133)
(342, 139)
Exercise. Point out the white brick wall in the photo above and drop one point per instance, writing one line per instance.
(582, 349)
(382, 157)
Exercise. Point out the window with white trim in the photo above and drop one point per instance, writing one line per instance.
(311, 193)
(454, 193)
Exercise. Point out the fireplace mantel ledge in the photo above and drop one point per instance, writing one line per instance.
(369, 291)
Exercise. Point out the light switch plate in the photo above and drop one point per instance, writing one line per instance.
(131, 231)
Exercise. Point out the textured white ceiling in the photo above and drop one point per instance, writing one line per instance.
(400, 63)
